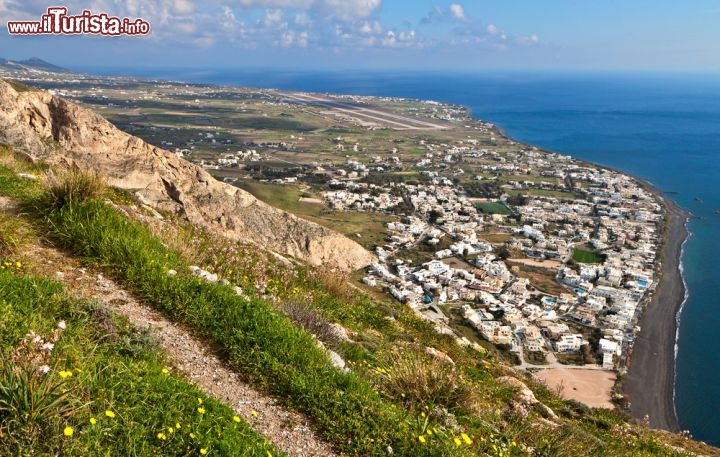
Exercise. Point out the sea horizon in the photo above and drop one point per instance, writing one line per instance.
(661, 127)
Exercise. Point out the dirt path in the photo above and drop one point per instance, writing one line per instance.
(288, 430)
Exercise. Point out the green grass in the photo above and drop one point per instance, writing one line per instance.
(258, 341)
(12, 186)
(275, 355)
(493, 208)
(585, 256)
(370, 225)
(114, 367)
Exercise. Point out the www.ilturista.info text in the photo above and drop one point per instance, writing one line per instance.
(57, 22)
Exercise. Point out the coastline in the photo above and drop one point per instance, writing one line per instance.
(650, 380)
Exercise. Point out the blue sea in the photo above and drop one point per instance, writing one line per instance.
(664, 128)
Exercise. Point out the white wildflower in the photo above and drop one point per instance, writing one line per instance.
(62, 325)
(44, 369)
(47, 347)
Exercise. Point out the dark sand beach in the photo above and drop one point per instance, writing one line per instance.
(651, 376)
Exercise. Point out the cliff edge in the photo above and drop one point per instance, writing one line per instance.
(58, 131)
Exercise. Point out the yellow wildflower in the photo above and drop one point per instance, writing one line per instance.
(466, 438)
(177, 425)
(429, 432)
(457, 441)
(161, 436)
(165, 371)
(68, 431)
(254, 413)
(18, 264)
(64, 374)
(109, 414)
(236, 418)
(203, 451)
(192, 435)
(421, 438)
(201, 410)
(171, 430)
(199, 401)
(269, 454)
(93, 421)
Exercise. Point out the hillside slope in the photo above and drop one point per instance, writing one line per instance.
(58, 131)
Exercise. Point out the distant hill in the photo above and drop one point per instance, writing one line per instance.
(33, 63)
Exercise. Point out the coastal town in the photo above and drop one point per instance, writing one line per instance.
(549, 258)
(600, 243)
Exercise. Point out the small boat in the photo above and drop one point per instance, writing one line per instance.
(697, 199)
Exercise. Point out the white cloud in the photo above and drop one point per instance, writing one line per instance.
(529, 40)
(345, 10)
(402, 39)
(371, 27)
(457, 11)
(204, 41)
(299, 4)
(287, 39)
(303, 19)
(302, 40)
(272, 17)
(183, 7)
(492, 29)
(348, 10)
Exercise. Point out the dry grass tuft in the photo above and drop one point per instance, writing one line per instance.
(414, 377)
(72, 186)
(336, 283)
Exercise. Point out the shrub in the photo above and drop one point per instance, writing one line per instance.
(72, 186)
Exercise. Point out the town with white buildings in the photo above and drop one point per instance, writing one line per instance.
(595, 231)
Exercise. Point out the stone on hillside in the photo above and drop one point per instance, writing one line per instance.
(340, 332)
(439, 355)
(338, 361)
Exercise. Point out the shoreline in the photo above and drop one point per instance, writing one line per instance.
(650, 380)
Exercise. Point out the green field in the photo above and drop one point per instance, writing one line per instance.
(493, 208)
(584, 256)
(370, 226)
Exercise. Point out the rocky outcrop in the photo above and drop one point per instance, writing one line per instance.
(525, 399)
(59, 131)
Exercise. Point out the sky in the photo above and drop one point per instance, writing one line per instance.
(644, 35)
